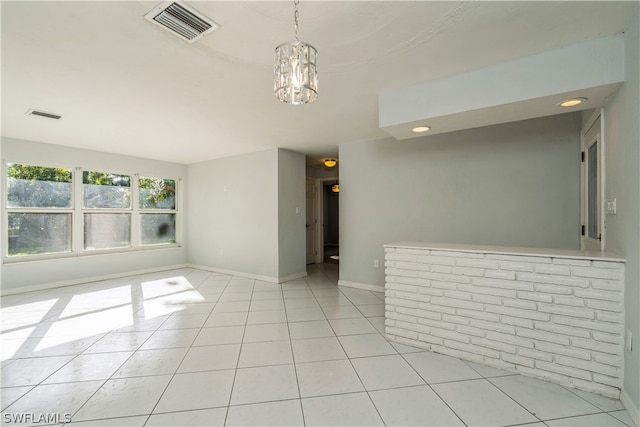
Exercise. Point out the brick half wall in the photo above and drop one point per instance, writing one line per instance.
(558, 318)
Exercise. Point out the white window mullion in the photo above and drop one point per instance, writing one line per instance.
(77, 243)
(135, 212)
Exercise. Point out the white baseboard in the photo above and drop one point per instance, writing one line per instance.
(269, 279)
(63, 283)
(365, 286)
(630, 406)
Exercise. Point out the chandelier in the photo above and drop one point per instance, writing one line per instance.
(295, 74)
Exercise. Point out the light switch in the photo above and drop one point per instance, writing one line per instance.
(611, 207)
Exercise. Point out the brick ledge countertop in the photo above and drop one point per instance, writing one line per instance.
(507, 250)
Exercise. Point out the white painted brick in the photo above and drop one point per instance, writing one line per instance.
(510, 339)
(430, 339)
(410, 251)
(443, 285)
(616, 361)
(562, 330)
(450, 335)
(534, 354)
(516, 266)
(408, 296)
(463, 355)
(401, 333)
(554, 280)
(412, 281)
(391, 250)
(564, 370)
(480, 315)
(430, 275)
(436, 308)
(502, 284)
(589, 366)
(571, 301)
(616, 339)
(598, 294)
(431, 291)
(494, 327)
(499, 364)
(457, 254)
(400, 273)
(412, 266)
(606, 316)
(414, 327)
(557, 270)
(438, 260)
(575, 262)
(500, 274)
(456, 320)
(401, 302)
(607, 380)
(583, 313)
(401, 257)
(516, 321)
(435, 324)
(553, 289)
(468, 271)
(604, 390)
(521, 258)
(394, 315)
(502, 347)
(518, 360)
(543, 336)
(389, 322)
(598, 273)
(587, 324)
(478, 263)
(608, 285)
(535, 296)
(457, 295)
(596, 346)
(516, 312)
(446, 302)
(525, 305)
(401, 287)
(472, 349)
(413, 312)
(477, 289)
(616, 307)
(471, 331)
(456, 279)
(487, 299)
(608, 264)
(544, 375)
(555, 349)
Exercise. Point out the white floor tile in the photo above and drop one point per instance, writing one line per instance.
(267, 296)
(311, 329)
(342, 312)
(196, 391)
(604, 403)
(298, 293)
(265, 354)
(545, 400)
(111, 422)
(488, 371)
(171, 338)
(267, 332)
(264, 384)
(195, 418)
(304, 314)
(210, 358)
(352, 326)
(478, 402)
(317, 349)
(413, 406)
(439, 368)
(220, 335)
(623, 416)
(124, 397)
(266, 316)
(87, 367)
(184, 321)
(32, 371)
(226, 319)
(11, 394)
(343, 410)
(596, 420)
(382, 372)
(378, 323)
(366, 345)
(150, 362)
(232, 307)
(329, 377)
(283, 413)
(234, 296)
(301, 303)
(120, 341)
(372, 310)
(266, 305)
(364, 299)
(402, 349)
(334, 301)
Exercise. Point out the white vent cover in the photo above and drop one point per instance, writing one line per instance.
(181, 20)
(40, 113)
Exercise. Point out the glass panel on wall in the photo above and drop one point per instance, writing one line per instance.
(38, 187)
(107, 230)
(103, 190)
(157, 193)
(38, 233)
(592, 189)
(158, 228)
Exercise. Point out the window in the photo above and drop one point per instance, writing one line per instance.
(39, 210)
(49, 213)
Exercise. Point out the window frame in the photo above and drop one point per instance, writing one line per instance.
(77, 212)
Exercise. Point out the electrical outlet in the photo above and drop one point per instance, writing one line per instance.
(376, 263)
(629, 341)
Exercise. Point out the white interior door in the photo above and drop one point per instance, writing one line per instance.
(592, 185)
(312, 220)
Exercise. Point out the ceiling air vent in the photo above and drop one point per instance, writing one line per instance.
(182, 20)
(33, 112)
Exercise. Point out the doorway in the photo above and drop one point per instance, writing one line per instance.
(592, 233)
(331, 221)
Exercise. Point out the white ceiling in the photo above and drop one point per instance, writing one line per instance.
(124, 85)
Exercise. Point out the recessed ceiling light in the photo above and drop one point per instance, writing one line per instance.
(330, 163)
(420, 129)
(572, 102)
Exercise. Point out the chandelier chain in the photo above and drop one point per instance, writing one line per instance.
(295, 16)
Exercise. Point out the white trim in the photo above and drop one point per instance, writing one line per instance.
(365, 286)
(630, 406)
(597, 114)
(63, 283)
(269, 279)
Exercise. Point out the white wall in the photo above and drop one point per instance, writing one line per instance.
(233, 213)
(622, 181)
(291, 214)
(76, 269)
(515, 184)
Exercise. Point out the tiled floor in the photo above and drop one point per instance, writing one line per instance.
(190, 347)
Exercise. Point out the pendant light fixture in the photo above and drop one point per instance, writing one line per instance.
(295, 74)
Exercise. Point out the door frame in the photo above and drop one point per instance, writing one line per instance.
(320, 206)
(586, 242)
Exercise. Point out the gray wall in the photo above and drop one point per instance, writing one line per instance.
(515, 184)
(622, 181)
(233, 213)
(291, 214)
(76, 269)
